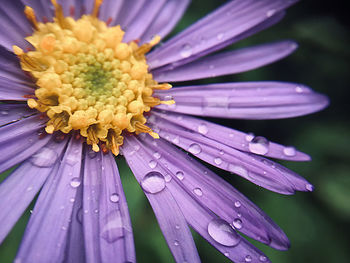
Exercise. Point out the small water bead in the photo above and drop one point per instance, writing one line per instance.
(240, 170)
(29, 188)
(46, 157)
(75, 182)
(114, 198)
(180, 175)
(153, 182)
(176, 140)
(218, 160)
(203, 128)
(249, 137)
(186, 51)
(299, 89)
(309, 187)
(176, 243)
(4, 112)
(194, 148)
(167, 178)
(223, 233)
(237, 204)
(259, 145)
(157, 155)
(248, 258)
(72, 159)
(114, 227)
(271, 12)
(263, 258)
(177, 226)
(72, 200)
(289, 151)
(226, 254)
(198, 191)
(152, 164)
(237, 223)
(222, 152)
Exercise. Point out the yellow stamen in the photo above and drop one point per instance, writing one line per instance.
(97, 6)
(147, 47)
(30, 14)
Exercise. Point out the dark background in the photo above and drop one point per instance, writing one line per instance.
(317, 223)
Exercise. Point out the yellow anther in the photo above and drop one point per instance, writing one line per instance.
(163, 86)
(30, 14)
(59, 14)
(167, 102)
(32, 103)
(147, 47)
(97, 6)
(29, 63)
(50, 129)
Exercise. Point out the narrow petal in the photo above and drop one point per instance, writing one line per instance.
(46, 234)
(217, 28)
(27, 180)
(20, 140)
(107, 226)
(226, 63)
(14, 25)
(166, 19)
(44, 10)
(144, 18)
(10, 90)
(128, 13)
(109, 10)
(187, 201)
(166, 209)
(250, 100)
(230, 137)
(14, 112)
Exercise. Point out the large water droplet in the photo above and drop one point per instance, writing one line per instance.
(223, 233)
(114, 228)
(238, 170)
(75, 182)
(289, 151)
(263, 258)
(186, 51)
(198, 191)
(152, 164)
(237, 223)
(194, 148)
(72, 158)
(114, 198)
(153, 182)
(180, 175)
(259, 145)
(46, 157)
(248, 258)
(203, 128)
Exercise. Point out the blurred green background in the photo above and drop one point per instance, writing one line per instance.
(317, 223)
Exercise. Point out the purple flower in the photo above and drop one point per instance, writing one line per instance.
(76, 89)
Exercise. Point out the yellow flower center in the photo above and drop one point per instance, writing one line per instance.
(88, 79)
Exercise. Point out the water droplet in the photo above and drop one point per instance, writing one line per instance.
(218, 160)
(222, 152)
(231, 135)
(153, 182)
(177, 226)
(249, 137)
(152, 164)
(289, 151)
(176, 140)
(157, 155)
(180, 175)
(203, 128)
(227, 254)
(45, 157)
(137, 147)
(114, 228)
(237, 204)
(72, 159)
(114, 198)
(186, 51)
(198, 191)
(29, 188)
(309, 187)
(238, 170)
(263, 258)
(299, 89)
(167, 178)
(4, 112)
(237, 223)
(176, 243)
(220, 36)
(75, 182)
(248, 258)
(259, 145)
(72, 200)
(194, 148)
(271, 12)
(223, 233)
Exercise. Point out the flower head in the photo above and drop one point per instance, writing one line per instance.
(82, 81)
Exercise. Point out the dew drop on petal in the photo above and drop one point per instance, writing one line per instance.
(198, 191)
(46, 157)
(176, 243)
(114, 228)
(259, 145)
(218, 160)
(298, 89)
(4, 112)
(75, 182)
(157, 155)
(263, 258)
(167, 178)
(237, 223)
(186, 51)
(249, 137)
(29, 188)
(114, 198)
(153, 182)
(227, 254)
(203, 128)
(194, 148)
(223, 233)
(238, 170)
(180, 175)
(237, 204)
(309, 187)
(289, 151)
(271, 12)
(152, 164)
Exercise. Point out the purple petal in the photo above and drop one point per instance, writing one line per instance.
(166, 19)
(21, 140)
(44, 10)
(216, 29)
(143, 20)
(128, 12)
(10, 90)
(166, 209)
(14, 112)
(229, 242)
(46, 234)
(14, 25)
(250, 100)
(110, 10)
(107, 226)
(226, 63)
(27, 180)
